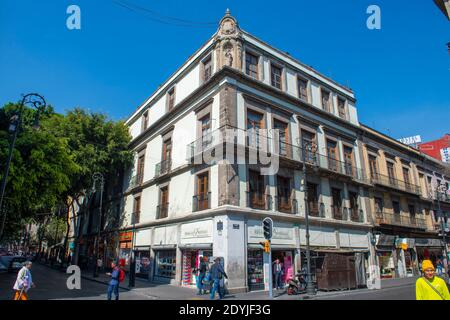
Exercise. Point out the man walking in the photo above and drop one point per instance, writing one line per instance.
(23, 282)
(217, 274)
(202, 269)
(113, 286)
(278, 272)
(431, 287)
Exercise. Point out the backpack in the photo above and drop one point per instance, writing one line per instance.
(121, 275)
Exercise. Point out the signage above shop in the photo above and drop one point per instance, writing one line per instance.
(201, 229)
(126, 236)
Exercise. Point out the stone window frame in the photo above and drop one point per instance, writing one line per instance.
(308, 87)
(202, 172)
(145, 119)
(282, 75)
(346, 111)
(200, 114)
(335, 139)
(209, 57)
(285, 120)
(330, 100)
(258, 56)
(173, 90)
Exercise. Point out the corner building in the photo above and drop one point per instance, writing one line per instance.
(177, 209)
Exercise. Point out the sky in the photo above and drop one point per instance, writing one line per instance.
(400, 74)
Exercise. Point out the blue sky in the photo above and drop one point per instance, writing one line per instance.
(400, 74)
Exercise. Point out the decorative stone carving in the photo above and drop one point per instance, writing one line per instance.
(229, 43)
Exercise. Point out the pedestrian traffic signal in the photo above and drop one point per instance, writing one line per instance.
(267, 246)
(267, 228)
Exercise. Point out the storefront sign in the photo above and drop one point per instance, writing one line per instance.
(428, 242)
(385, 240)
(126, 236)
(281, 233)
(196, 230)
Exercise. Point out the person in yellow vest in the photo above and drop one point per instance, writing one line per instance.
(430, 286)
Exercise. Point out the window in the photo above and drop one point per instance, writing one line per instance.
(396, 207)
(336, 203)
(206, 131)
(166, 162)
(165, 263)
(309, 146)
(313, 200)
(136, 210)
(251, 65)
(255, 121)
(284, 194)
(302, 85)
(207, 68)
(171, 99)
(326, 105)
(140, 169)
(275, 76)
(145, 121)
(406, 177)
(167, 150)
(283, 137)
(348, 159)
(391, 172)
(202, 192)
(378, 205)
(354, 208)
(373, 167)
(341, 108)
(332, 155)
(257, 190)
(163, 207)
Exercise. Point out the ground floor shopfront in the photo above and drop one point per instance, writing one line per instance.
(171, 253)
(400, 257)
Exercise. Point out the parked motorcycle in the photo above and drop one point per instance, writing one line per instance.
(297, 284)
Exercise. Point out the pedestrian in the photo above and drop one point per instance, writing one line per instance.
(202, 269)
(117, 275)
(439, 267)
(431, 287)
(23, 282)
(278, 273)
(217, 275)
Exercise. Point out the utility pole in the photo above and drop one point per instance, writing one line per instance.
(439, 192)
(310, 290)
(268, 230)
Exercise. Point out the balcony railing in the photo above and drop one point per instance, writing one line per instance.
(337, 212)
(261, 201)
(201, 202)
(395, 183)
(136, 180)
(356, 215)
(411, 221)
(316, 209)
(286, 204)
(163, 167)
(162, 210)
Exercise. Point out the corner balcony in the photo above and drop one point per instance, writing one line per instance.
(396, 184)
(260, 201)
(411, 221)
(163, 167)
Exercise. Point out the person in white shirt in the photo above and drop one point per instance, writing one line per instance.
(23, 282)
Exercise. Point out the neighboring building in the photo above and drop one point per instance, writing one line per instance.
(437, 149)
(177, 208)
(444, 6)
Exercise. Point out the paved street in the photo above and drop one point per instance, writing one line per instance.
(51, 285)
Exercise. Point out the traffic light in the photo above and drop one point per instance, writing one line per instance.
(266, 246)
(267, 228)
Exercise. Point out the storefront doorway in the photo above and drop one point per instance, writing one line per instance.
(191, 263)
(286, 258)
(165, 265)
(143, 264)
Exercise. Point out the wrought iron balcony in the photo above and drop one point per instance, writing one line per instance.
(201, 202)
(316, 209)
(261, 201)
(162, 210)
(338, 213)
(163, 167)
(286, 204)
(136, 181)
(410, 221)
(395, 183)
(356, 215)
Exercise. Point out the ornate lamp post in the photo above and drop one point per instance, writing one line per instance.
(37, 102)
(98, 177)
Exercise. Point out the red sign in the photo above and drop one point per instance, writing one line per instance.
(126, 236)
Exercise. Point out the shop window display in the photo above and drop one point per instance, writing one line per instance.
(165, 264)
(255, 267)
(191, 263)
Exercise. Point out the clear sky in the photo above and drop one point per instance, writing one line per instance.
(400, 74)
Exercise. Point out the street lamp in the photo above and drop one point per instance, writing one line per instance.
(98, 177)
(33, 100)
(310, 290)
